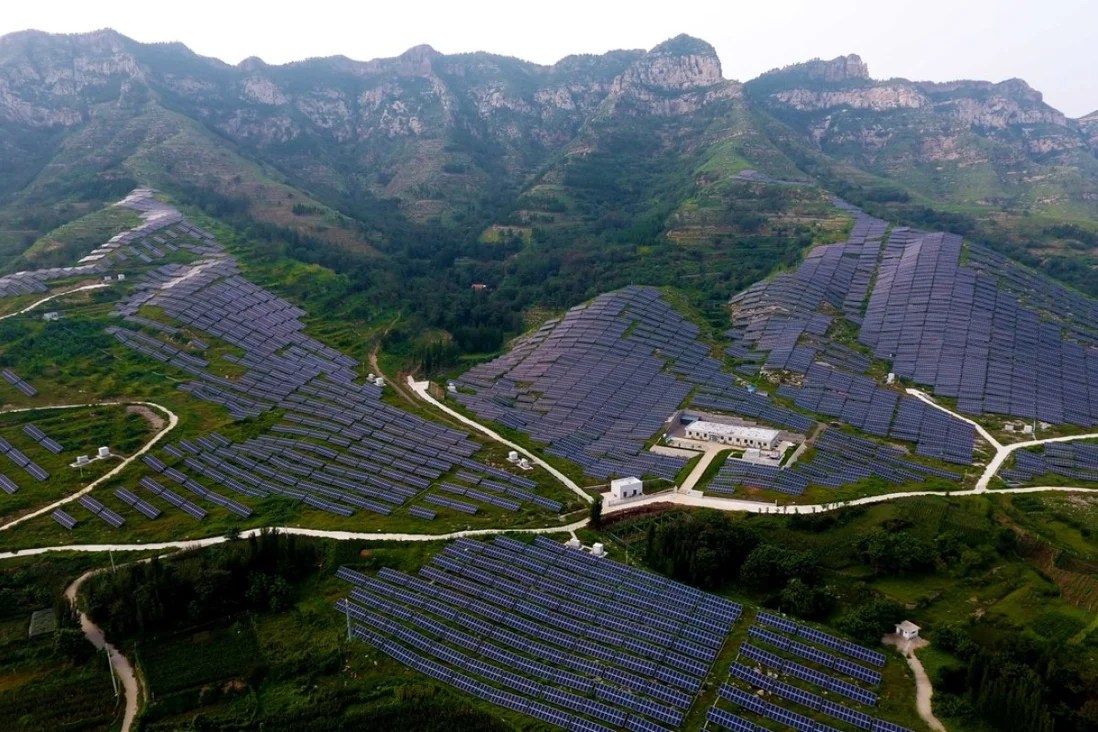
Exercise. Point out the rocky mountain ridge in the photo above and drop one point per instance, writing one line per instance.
(434, 131)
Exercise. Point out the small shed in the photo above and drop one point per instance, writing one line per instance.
(626, 488)
(907, 630)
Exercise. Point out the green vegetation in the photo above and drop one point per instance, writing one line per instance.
(56, 680)
(1011, 632)
(80, 431)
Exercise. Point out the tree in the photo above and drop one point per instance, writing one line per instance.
(899, 552)
(596, 513)
(805, 600)
(71, 643)
(871, 621)
(771, 567)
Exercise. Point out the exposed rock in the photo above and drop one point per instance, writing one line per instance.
(681, 64)
(876, 98)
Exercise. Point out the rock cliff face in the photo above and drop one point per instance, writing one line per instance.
(428, 126)
(837, 70)
(876, 98)
(1089, 127)
(937, 136)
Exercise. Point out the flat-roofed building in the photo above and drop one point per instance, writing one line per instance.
(733, 434)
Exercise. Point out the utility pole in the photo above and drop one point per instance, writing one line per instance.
(110, 669)
(347, 611)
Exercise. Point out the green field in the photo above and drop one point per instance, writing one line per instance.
(80, 431)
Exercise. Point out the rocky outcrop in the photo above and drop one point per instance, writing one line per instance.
(876, 98)
(679, 65)
(837, 70)
(677, 77)
(1089, 126)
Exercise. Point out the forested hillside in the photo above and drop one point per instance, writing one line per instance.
(417, 177)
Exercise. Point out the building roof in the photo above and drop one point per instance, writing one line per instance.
(632, 480)
(736, 430)
(908, 627)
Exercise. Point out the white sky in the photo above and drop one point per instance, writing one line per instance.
(1050, 43)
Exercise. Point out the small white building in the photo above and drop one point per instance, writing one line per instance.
(104, 452)
(51, 316)
(626, 488)
(907, 630)
(733, 434)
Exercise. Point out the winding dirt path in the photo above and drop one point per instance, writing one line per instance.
(924, 690)
(119, 663)
(173, 420)
(54, 296)
(420, 388)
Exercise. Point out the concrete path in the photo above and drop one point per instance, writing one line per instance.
(297, 530)
(924, 690)
(699, 470)
(420, 389)
(119, 663)
(173, 420)
(35, 304)
(1002, 452)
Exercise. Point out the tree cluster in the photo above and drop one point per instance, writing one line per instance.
(256, 574)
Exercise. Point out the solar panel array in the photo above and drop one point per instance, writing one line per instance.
(540, 629)
(142, 506)
(828, 660)
(64, 519)
(338, 448)
(594, 385)
(36, 434)
(996, 337)
(12, 378)
(16, 455)
(1077, 461)
(34, 281)
(173, 498)
(845, 647)
(766, 671)
(840, 458)
(102, 512)
(7, 484)
(861, 402)
(344, 465)
(163, 230)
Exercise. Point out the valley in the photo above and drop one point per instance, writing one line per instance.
(375, 395)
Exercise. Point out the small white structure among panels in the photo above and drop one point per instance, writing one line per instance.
(624, 488)
(907, 630)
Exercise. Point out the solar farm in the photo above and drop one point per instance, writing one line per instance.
(586, 643)
(596, 385)
(333, 447)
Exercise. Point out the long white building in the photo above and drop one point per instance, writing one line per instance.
(733, 434)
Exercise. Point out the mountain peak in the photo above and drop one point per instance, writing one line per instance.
(684, 45)
(421, 52)
(251, 64)
(678, 65)
(840, 68)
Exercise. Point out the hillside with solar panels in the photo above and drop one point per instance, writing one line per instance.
(539, 629)
(824, 353)
(311, 434)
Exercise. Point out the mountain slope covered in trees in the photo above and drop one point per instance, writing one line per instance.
(417, 177)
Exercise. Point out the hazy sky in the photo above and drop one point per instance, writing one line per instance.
(1051, 43)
